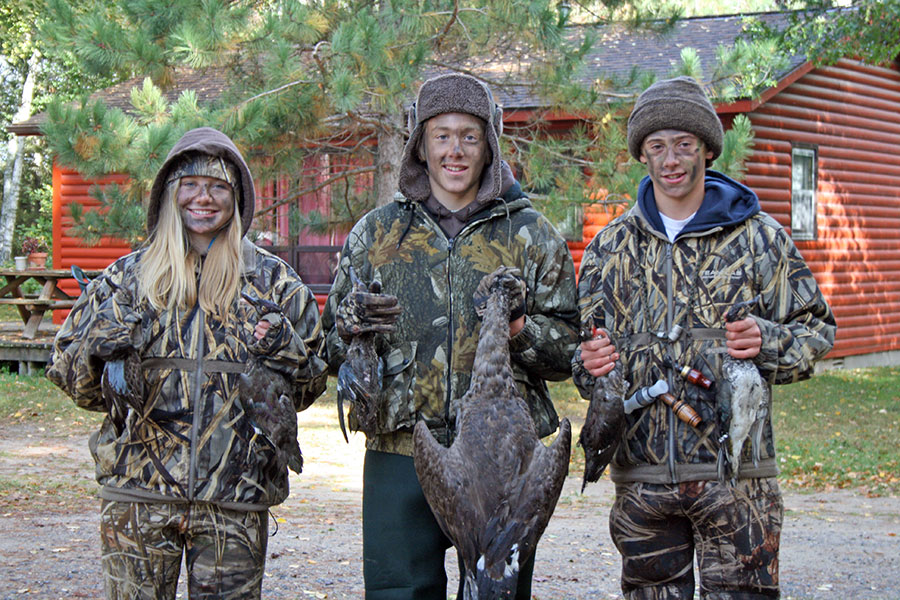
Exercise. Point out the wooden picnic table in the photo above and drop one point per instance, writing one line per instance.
(51, 296)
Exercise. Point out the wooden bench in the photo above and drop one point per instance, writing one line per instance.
(32, 308)
(51, 304)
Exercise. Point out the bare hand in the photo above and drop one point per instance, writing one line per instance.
(743, 339)
(599, 355)
(259, 332)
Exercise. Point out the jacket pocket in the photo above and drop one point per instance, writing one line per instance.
(397, 399)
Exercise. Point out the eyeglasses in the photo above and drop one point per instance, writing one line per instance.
(215, 189)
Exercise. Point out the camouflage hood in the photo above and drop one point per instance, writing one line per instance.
(214, 143)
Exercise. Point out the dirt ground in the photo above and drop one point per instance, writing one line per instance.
(836, 545)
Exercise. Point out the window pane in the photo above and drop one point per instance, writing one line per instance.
(803, 193)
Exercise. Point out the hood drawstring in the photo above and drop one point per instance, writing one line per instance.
(412, 213)
(508, 222)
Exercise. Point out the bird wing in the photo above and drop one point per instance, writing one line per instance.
(545, 477)
(527, 501)
(445, 482)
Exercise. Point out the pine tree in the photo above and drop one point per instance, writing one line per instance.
(317, 91)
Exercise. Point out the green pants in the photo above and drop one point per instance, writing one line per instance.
(143, 543)
(403, 546)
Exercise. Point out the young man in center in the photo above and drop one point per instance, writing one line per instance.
(459, 215)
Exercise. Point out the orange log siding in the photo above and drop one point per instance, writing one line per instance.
(850, 113)
(69, 187)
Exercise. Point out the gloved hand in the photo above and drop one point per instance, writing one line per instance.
(115, 329)
(366, 311)
(511, 277)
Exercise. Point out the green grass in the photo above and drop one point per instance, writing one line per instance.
(840, 429)
(837, 430)
(36, 400)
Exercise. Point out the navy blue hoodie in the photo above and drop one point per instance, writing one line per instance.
(726, 202)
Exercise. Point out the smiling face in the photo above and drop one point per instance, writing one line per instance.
(676, 163)
(456, 152)
(206, 205)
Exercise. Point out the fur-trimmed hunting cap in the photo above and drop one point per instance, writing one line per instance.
(453, 93)
(680, 104)
(208, 152)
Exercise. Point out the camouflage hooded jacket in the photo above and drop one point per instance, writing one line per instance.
(192, 441)
(428, 359)
(637, 285)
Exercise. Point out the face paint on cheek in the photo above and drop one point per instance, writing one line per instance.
(654, 164)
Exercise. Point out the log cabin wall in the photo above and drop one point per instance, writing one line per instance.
(70, 187)
(849, 114)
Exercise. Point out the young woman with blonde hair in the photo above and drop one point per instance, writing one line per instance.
(161, 343)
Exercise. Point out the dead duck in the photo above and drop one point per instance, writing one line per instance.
(603, 424)
(743, 400)
(360, 375)
(494, 489)
(265, 397)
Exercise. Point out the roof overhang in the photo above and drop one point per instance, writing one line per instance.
(746, 105)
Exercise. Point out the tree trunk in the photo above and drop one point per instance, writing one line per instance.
(387, 160)
(12, 176)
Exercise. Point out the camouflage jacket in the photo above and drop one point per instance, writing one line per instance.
(428, 359)
(637, 284)
(193, 441)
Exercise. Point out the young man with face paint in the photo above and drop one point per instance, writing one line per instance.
(460, 215)
(658, 281)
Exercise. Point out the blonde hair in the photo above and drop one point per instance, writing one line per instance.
(169, 266)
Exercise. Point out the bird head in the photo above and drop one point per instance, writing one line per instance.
(740, 310)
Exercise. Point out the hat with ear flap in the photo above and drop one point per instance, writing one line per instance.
(452, 93)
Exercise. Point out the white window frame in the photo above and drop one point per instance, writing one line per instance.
(804, 181)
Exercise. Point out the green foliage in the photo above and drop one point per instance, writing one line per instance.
(329, 77)
(746, 69)
(145, 37)
(119, 216)
(90, 137)
(38, 223)
(98, 141)
(736, 148)
(824, 33)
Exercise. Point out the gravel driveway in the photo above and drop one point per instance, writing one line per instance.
(836, 545)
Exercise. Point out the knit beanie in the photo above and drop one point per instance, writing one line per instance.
(679, 104)
(453, 93)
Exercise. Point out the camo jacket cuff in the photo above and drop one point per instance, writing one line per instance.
(524, 340)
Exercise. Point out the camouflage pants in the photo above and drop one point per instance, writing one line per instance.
(142, 545)
(735, 532)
